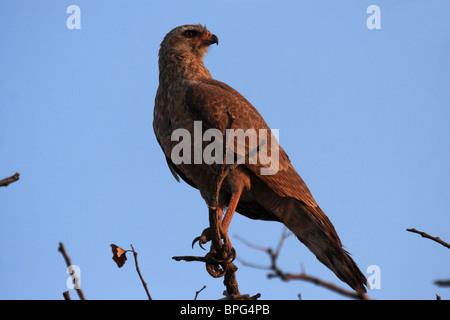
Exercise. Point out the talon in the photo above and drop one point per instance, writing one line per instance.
(233, 254)
(202, 239)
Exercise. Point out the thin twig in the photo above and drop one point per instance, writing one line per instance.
(426, 235)
(139, 273)
(197, 292)
(278, 273)
(66, 295)
(284, 235)
(272, 254)
(73, 274)
(442, 283)
(303, 276)
(242, 297)
(5, 182)
(189, 258)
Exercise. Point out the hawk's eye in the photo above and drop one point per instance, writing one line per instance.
(190, 33)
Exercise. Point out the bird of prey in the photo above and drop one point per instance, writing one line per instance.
(187, 93)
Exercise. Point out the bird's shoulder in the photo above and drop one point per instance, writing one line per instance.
(212, 101)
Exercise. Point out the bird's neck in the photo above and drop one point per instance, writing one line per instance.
(184, 68)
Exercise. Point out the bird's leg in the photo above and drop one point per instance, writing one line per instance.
(228, 251)
(206, 234)
(227, 220)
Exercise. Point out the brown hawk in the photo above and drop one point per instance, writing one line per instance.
(187, 93)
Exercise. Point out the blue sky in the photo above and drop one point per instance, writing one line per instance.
(363, 114)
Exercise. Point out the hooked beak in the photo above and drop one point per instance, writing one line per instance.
(214, 39)
(208, 39)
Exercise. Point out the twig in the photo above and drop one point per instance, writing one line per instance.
(139, 272)
(73, 274)
(189, 258)
(278, 273)
(272, 254)
(317, 281)
(242, 297)
(442, 283)
(66, 295)
(426, 235)
(197, 292)
(5, 182)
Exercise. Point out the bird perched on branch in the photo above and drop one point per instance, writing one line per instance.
(187, 94)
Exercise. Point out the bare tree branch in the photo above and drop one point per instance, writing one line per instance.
(5, 182)
(242, 297)
(66, 295)
(442, 283)
(197, 292)
(426, 235)
(278, 273)
(120, 257)
(73, 274)
(190, 258)
(139, 273)
(303, 276)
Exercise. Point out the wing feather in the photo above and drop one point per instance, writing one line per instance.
(209, 100)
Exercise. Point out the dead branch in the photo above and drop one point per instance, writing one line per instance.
(72, 273)
(303, 276)
(442, 283)
(66, 295)
(139, 273)
(426, 235)
(278, 273)
(190, 258)
(5, 182)
(120, 257)
(242, 297)
(197, 292)
(217, 268)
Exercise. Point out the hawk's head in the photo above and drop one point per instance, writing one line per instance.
(187, 40)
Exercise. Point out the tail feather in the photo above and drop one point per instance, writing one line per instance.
(313, 228)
